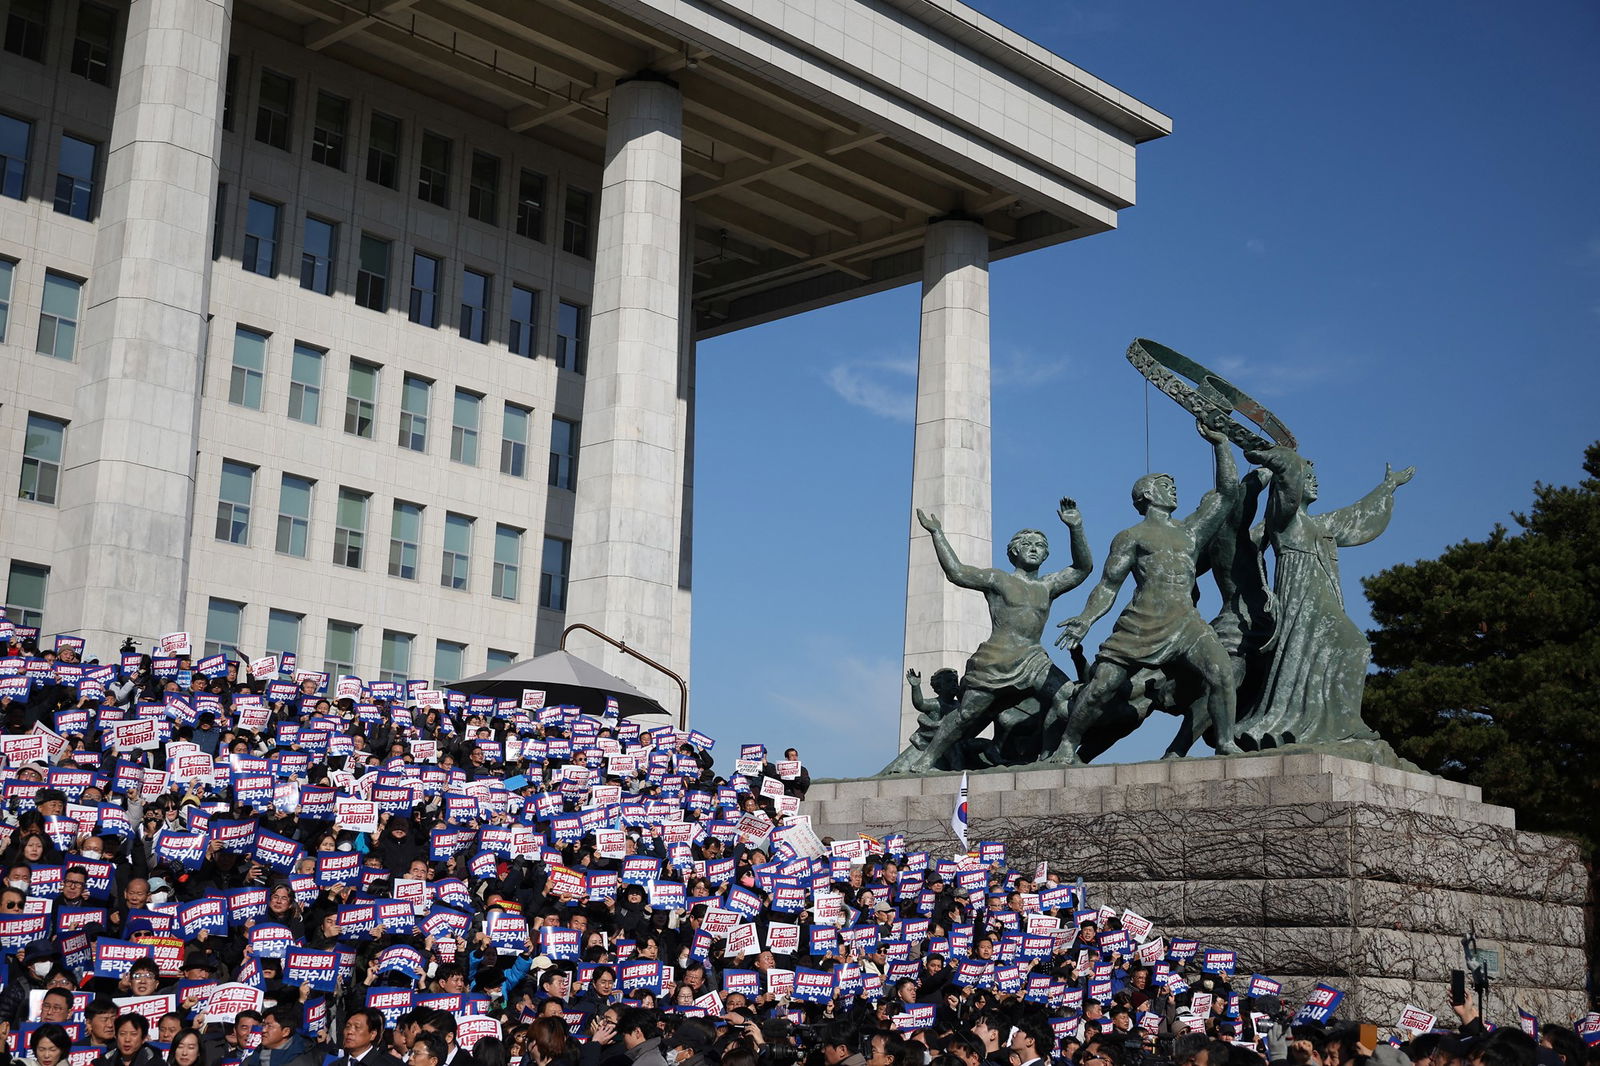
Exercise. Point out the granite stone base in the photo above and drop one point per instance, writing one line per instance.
(1312, 867)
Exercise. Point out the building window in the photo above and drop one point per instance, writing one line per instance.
(316, 258)
(530, 205)
(483, 194)
(25, 592)
(249, 367)
(514, 441)
(230, 91)
(261, 237)
(294, 515)
(222, 626)
(16, 140)
(41, 459)
(448, 657)
(424, 290)
(372, 280)
(305, 384)
(405, 533)
(457, 559)
(475, 306)
(91, 45)
(327, 133)
(25, 28)
(464, 428)
(350, 529)
(219, 213)
(507, 562)
(394, 661)
(414, 394)
(433, 173)
(563, 453)
(383, 149)
(7, 267)
(283, 632)
(340, 649)
(75, 177)
(572, 327)
(499, 658)
(522, 338)
(273, 109)
(575, 222)
(58, 316)
(553, 573)
(361, 400)
(233, 503)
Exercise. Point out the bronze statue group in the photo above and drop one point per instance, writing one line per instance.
(1280, 665)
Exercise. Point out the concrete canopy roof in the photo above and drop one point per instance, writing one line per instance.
(820, 138)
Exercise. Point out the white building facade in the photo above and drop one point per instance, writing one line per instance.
(365, 330)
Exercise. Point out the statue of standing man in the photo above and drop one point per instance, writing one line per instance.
(1011, 666)
(1160, 625)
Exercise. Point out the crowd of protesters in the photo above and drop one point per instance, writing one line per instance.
(220, 862)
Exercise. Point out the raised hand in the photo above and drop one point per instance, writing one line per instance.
(929, 522)
(1068, 511)
(1073, 630)
(1394, 480)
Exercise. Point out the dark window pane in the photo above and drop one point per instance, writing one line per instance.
(91, 45)
(25, 28)
(327, 136)
(75, 177)
(383, 150)
(274, 108)
(433, 175)
(575, 222)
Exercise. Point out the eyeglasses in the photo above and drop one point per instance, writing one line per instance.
(76, 882)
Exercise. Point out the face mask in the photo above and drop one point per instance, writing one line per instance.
(20, 886)
(345, 846)
(42, 968)
(90, 853)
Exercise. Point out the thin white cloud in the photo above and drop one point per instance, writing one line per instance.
(1256, 246)
(888, 387)
(851, 707)
(885, 387)
(1026, 368)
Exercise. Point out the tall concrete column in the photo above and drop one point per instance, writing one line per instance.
(950, 469)
(127, 499)
(682, 616)
(624, 577)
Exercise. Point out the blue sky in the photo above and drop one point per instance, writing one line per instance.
(1381, 219)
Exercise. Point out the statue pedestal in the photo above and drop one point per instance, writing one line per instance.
(1312, 867)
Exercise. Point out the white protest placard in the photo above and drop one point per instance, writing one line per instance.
(224, 1002)
(175, 644)
(771, 787)
(139, 734)
(789, 769)
(150, 1007)
(264, 668)
(348, 688)
(783, 938)
(430, 699)
(611, 843)
(356, 814)
(1416, 1019)
(742, 940)
(1135, 926)
(472, 1028)
(532, 699)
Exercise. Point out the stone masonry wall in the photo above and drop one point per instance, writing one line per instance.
(1312, 867)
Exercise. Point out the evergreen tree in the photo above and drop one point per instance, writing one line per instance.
(1489, 661)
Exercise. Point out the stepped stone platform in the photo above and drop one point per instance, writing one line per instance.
(1313, 867)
